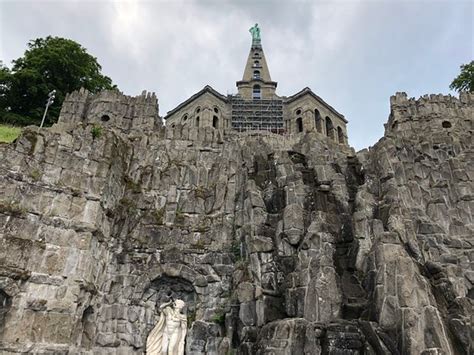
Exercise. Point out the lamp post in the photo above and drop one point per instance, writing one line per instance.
(48, 103)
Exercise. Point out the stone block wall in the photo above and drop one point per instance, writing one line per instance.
(112, 109)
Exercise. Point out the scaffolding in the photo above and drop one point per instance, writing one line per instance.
(257, 115)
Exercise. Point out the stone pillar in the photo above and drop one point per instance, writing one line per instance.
(206, 117)
(308, 120)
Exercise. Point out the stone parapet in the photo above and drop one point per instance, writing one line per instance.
(113, 109)
(429, 113)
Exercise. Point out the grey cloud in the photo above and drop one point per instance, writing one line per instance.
(354, 54)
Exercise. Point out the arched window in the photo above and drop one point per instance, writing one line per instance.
(298, 111)
(256, 63)
(340, 135)
(215, 122)
(256, 54)
(197, 121)
(256, 93)
(198, 110)
(185, 118)
(329, 128)
(256, 74)
(216, 110)
(299, 124)
(318, 124)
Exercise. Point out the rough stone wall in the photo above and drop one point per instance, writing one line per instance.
(419, 184)
(112, 109)
(277, 245)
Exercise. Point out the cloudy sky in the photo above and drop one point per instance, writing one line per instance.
(354, 54)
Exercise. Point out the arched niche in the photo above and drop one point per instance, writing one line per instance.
(164, 288)
(340, 135)
(299, 124)
(329, 128)
(318, 122)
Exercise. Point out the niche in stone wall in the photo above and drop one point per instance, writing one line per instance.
(329, 128)
(340, 135)
(5, 304)
(299, 124)
(446, 124)
(88, 327)
(105, 118)
(318, 121)
(165, 288)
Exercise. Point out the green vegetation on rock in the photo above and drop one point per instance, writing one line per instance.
(96, 131)
(9, 133)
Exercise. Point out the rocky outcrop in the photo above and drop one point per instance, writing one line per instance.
(278, 245)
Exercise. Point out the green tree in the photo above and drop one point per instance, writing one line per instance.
(465, 80)
(50, 63)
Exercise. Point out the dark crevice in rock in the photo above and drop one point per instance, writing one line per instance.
(354, 296)
(459, 328)
(87, 323)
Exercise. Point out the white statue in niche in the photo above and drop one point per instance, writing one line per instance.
(168, 335)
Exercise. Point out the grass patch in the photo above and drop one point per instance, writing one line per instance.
(9, 133)
(96, 131)
(219, 316)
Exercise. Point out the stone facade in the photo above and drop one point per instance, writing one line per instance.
(278, 244)
(306, 112)
(302, 112)
(207, 108)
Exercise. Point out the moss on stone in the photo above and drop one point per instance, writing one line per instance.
(35, 174)
(158, 216)
(12, 208)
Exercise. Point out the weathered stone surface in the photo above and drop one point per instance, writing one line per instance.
(278, 245)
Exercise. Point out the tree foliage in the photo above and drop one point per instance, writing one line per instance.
(465, 80)
(50, 63)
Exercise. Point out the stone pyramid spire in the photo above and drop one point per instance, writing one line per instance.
(256, 82)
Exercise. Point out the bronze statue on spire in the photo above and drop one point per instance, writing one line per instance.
(255, 31)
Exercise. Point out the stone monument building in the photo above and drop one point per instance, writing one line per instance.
(257, 106)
